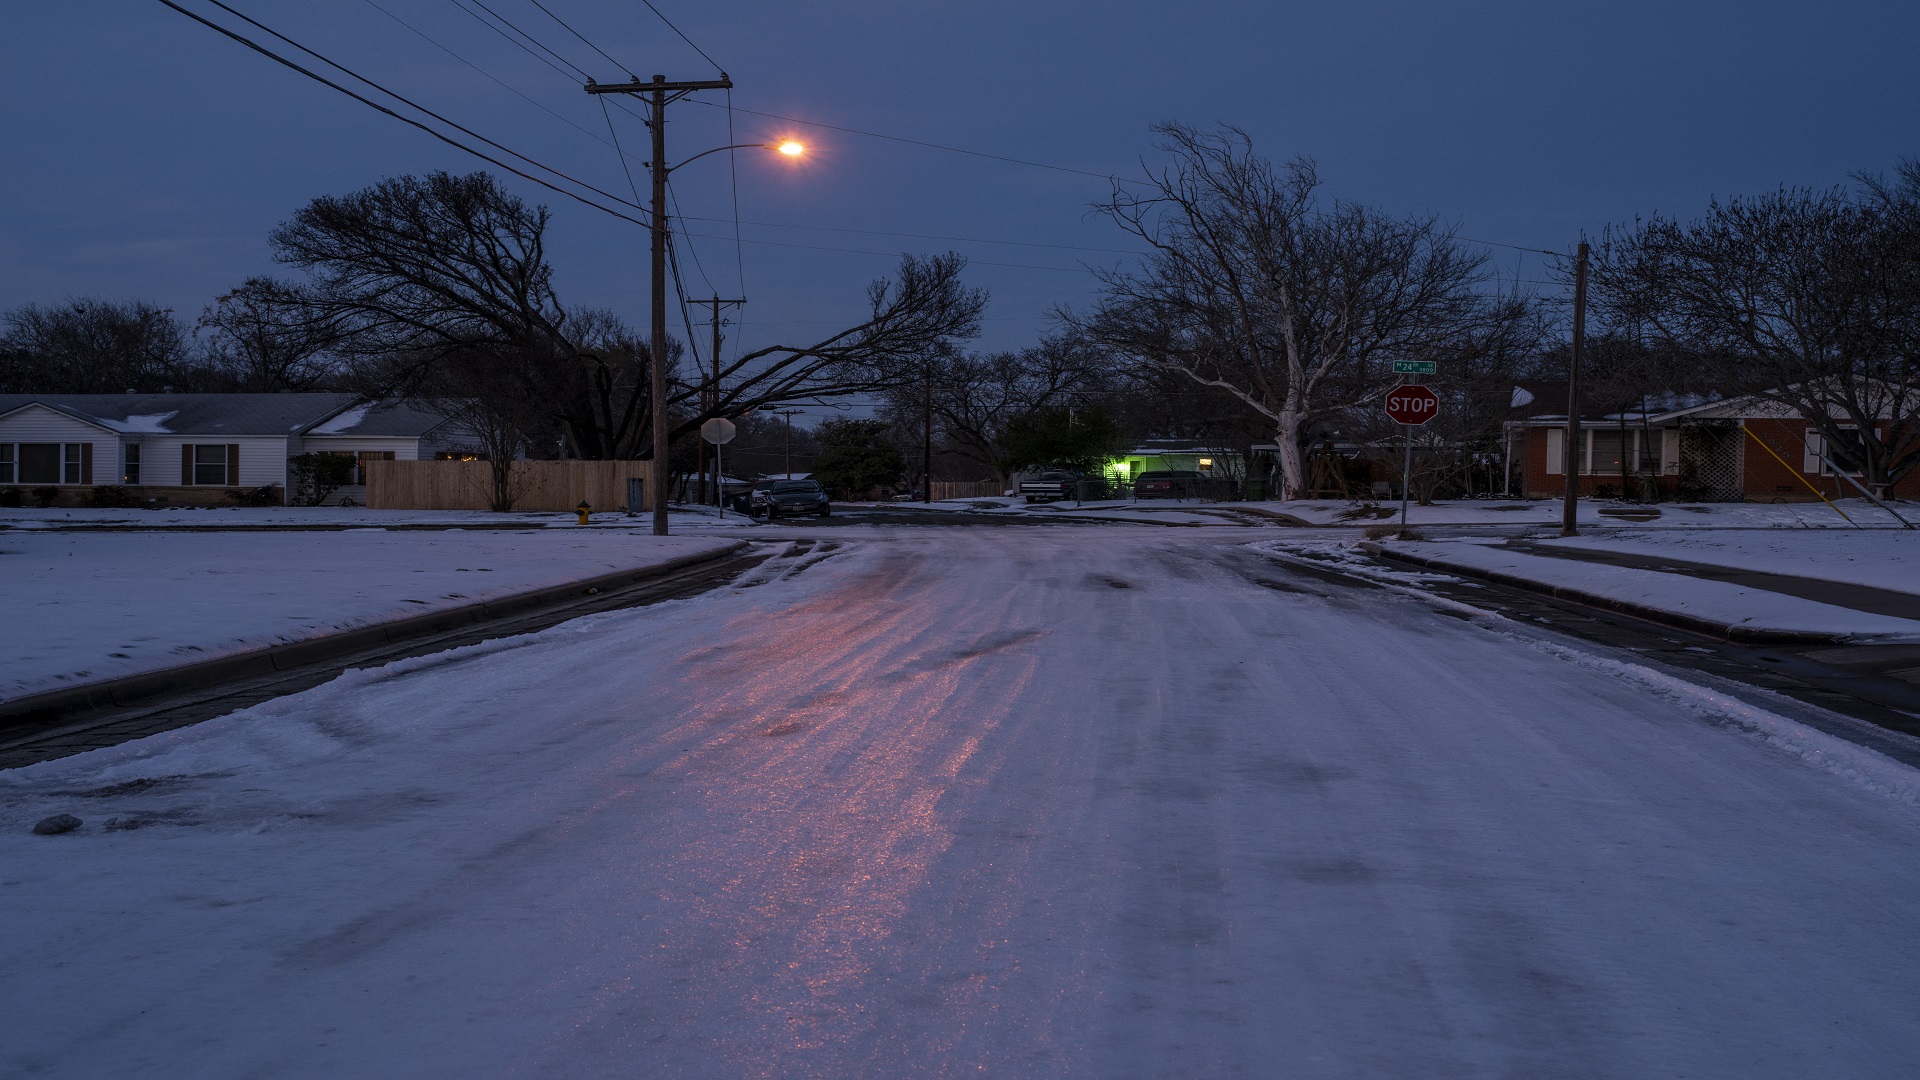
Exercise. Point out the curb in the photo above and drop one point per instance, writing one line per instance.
(1744, 635)
(130, 689)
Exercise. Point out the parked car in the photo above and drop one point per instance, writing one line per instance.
(1050, 486)
(1168, 484)
(772, 498)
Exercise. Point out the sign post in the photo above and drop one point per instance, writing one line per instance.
(719, 431)
(1410, 406)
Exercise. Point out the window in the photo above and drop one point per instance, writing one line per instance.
(210, 464)
(73, 471)
(40, 463)
(1844, 455)
(1605, 451)
(6, 463)
(130, 465)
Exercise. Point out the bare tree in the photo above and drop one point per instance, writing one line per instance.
(445, 271)
(1252, 288)
(1804, 298)
(258, 335)
(91, 346)
(975, 396)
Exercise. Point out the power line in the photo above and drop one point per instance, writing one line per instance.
(931, 236)
(683, 37)
(449, 140)
(932, 145)
(417, 106)
(536, 42)
(584, 41)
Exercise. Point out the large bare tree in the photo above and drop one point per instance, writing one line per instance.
(1810, 299)
(440, 271)
(1251, 286)
(974, 396)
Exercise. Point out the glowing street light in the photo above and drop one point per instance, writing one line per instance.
(791, 148)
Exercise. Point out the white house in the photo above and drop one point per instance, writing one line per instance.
(196, 448)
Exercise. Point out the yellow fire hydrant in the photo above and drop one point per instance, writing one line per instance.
(583, 510)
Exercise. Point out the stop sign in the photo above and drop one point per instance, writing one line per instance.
(1412, 404)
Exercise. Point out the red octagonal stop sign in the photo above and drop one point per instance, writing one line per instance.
(1412, 404)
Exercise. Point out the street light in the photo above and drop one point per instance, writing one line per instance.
(658, 93)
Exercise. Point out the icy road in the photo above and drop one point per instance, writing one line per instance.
(1102, 802)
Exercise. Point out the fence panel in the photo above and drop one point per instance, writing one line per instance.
(967, 489)
(468, 485)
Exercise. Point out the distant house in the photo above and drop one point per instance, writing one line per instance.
(1744, 449)
(1179, 455)
(193, 449)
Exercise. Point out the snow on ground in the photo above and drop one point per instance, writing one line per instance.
(307, 517)
(82, 607)
(1003, 802)
(1716, 601)
(1877, 558)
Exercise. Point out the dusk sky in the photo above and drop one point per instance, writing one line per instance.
(148, 157)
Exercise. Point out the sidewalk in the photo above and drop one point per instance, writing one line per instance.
(1732, 603)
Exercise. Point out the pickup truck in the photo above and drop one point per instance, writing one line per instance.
(1049, 486)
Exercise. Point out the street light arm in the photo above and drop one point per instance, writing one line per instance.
(717, 149)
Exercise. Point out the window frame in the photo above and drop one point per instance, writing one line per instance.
(203, 468)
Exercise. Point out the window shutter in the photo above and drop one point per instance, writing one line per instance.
(86, 463)
(1810, 454)
(186, 464)
(233, 464)
(1556, 451)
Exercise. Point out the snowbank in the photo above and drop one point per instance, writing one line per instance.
(1714, 602)
(84, 607)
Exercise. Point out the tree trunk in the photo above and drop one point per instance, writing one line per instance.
(1287, 438)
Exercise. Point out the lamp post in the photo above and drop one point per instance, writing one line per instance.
(658, 94)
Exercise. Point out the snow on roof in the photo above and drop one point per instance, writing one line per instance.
(143, 423)
(341, 424)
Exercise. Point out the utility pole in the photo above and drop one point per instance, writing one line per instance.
(658, 94)
(789, 414)
(710, 400)
(926, 440)
(1568, 509)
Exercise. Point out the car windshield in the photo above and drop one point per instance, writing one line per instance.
(1056, 476)
(792, 487)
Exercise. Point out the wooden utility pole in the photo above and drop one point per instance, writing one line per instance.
(1571, 471)
(710, 399)
(926, 440)
(658, 94)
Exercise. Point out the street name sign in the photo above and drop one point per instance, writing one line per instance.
(1412, 405)
(1415, 367)
(718, 431)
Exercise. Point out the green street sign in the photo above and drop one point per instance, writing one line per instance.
(1415, 367)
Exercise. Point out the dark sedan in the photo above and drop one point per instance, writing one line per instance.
(1168, 484)
(773, 498)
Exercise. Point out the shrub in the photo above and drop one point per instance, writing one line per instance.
(46, 495)
(260, 496)
(316, 476)
(11, 496)
(109, 496)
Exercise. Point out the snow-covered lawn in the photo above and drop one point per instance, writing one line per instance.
(82, 607)
(1718, 602)
(307, 517)
(1878, 558)
(975, 802)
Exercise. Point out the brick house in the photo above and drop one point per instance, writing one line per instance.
(196, 449)
(1742, 449)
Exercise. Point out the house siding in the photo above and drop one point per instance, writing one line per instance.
(1763, 478)
(263, 459)
(39, 424)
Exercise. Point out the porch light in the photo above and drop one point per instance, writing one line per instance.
(1206, 463)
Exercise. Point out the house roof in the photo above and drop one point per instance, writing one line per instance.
(403, 419)
(1542, 401)
(237, 414)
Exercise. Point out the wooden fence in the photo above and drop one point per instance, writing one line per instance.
(535, 485)
(967, 489)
